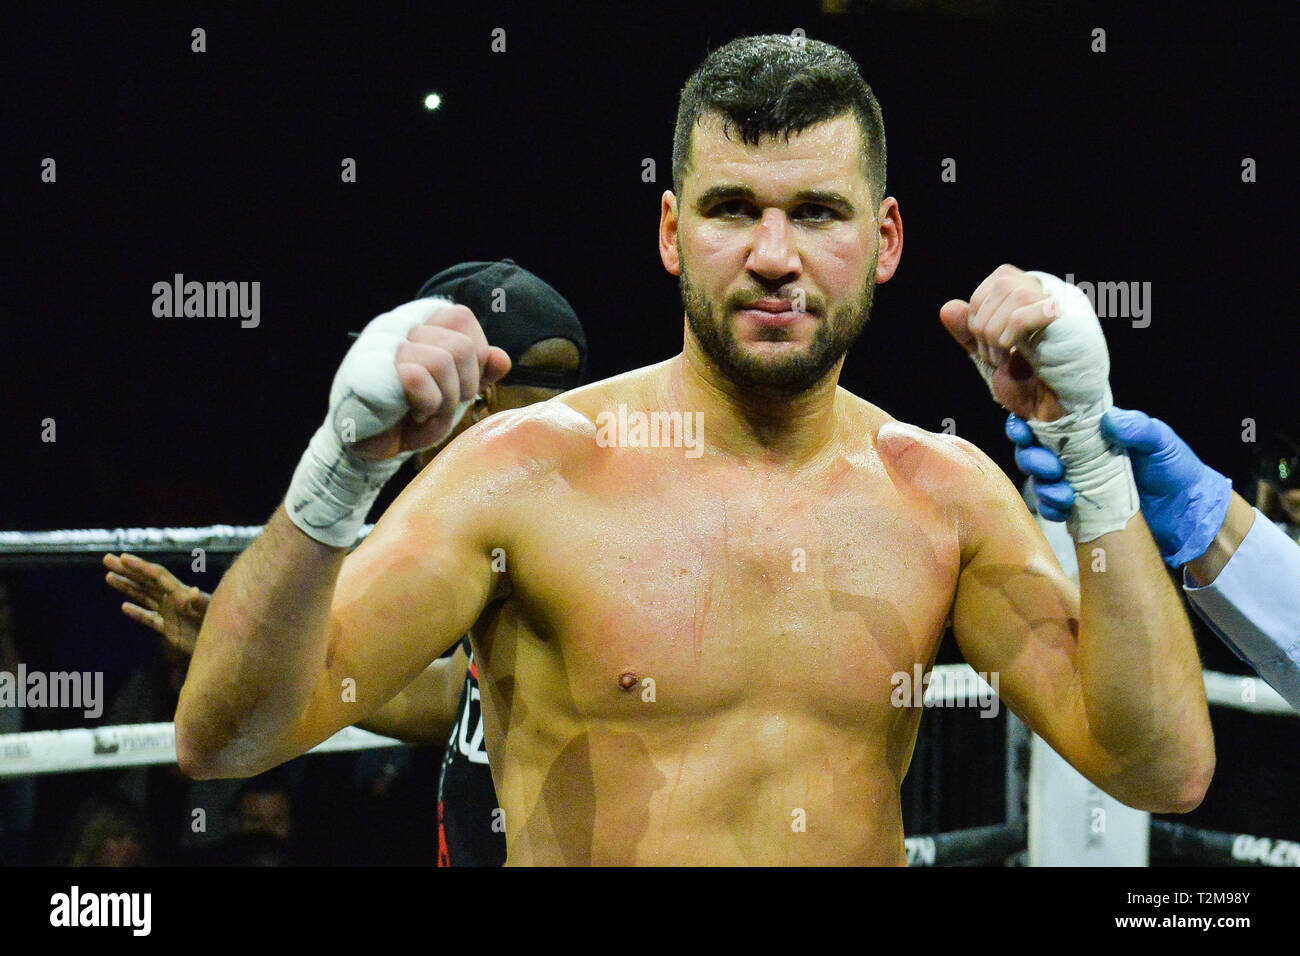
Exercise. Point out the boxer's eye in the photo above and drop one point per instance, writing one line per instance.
(731, 209)
(807, 212)
(813, 213)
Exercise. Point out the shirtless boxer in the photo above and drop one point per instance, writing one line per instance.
(687, 658)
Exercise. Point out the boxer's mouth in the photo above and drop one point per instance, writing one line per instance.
(772, 312)
(775, 306)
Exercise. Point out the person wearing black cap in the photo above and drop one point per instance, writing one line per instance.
(544, 339)
(517, 312)
(540, 332)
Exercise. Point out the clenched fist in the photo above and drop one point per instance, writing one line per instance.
(997, 328)
(1037, 342)
(408, 377)
(403, 386)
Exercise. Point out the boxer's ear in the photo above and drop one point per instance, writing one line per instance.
(890, 248)
(668, 252)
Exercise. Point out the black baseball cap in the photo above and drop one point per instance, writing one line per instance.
(516, 310)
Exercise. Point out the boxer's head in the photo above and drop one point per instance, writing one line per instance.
(530, 321)
(778, 203)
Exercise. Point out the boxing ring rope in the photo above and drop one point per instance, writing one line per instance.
(971, 846)
(63, 751)
(130, 745)
(38, 752)
(31, 753)
(1179, 841)
(35, 548)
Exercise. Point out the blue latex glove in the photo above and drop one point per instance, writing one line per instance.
(1055, 496)
(1183, 500)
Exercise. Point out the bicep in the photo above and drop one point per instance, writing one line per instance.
(406, 594)
(1016, 615)
(425, 709)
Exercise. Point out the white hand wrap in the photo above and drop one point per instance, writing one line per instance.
(1070, 357)
(333, 489)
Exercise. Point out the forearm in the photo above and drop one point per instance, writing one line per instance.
(260, 654)
(1140, 675)
(423, 713)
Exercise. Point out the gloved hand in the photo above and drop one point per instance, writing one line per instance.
(1183, 500)
(1018, 322)
(1054, 494)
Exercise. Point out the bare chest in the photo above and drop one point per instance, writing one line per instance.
(700, 592)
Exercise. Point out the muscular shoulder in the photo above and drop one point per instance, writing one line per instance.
(510, 449)
(935, 461)
(950, 472)
(481, 488)
(914, 458)
(522, 446)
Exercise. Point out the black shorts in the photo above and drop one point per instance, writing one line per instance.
(471, 824)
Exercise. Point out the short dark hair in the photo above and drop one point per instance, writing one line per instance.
(776, 84)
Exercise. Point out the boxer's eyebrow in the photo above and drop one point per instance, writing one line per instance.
(822, 197)
(827, 197)
(715, 194)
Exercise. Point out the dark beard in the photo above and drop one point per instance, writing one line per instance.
(782, 378)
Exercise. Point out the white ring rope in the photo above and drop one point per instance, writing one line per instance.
(131, 745)
(216, 539)
(127, 745)
(951, 683)
(1244, 693)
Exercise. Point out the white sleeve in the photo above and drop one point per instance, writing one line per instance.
(1254, 606)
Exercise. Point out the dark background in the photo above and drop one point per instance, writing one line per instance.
(225, 165)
